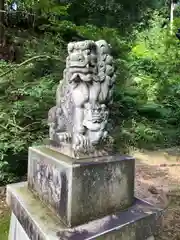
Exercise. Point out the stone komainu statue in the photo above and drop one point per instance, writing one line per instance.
(80, 116)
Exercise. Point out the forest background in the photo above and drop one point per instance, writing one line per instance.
(33, 40)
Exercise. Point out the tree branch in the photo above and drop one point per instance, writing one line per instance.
(26, 62)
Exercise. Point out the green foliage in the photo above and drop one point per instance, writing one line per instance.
(33, 14)
(146, 109)
(4, 226)
(154, 66)
(44, 6)
(122, 14)
(26, 96)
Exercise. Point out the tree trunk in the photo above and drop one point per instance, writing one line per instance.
(2, 8)
(172, 16)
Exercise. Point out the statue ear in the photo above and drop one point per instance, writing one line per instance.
(70, 47)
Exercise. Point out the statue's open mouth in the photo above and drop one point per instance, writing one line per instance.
(85, 77)
(96, 119)
(82, 69)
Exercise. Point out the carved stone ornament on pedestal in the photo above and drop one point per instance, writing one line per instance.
(78, 124)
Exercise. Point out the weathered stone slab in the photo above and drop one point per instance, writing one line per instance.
(81, 190)
(141, 221)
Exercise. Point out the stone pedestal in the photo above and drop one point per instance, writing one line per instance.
(90, 198)
(139, 222)
(16, 230)
(81, 190)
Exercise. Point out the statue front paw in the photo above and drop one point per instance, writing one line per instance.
(64, 137)
(81, 143)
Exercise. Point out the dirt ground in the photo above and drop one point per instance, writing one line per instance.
(157, 181)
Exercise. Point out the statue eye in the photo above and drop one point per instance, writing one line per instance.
(88, 52)
(80, 59)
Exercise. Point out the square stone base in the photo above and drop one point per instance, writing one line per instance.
(16, 231)
(140, 222)
(81, 190)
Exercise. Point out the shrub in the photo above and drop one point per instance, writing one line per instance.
(27, 95)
